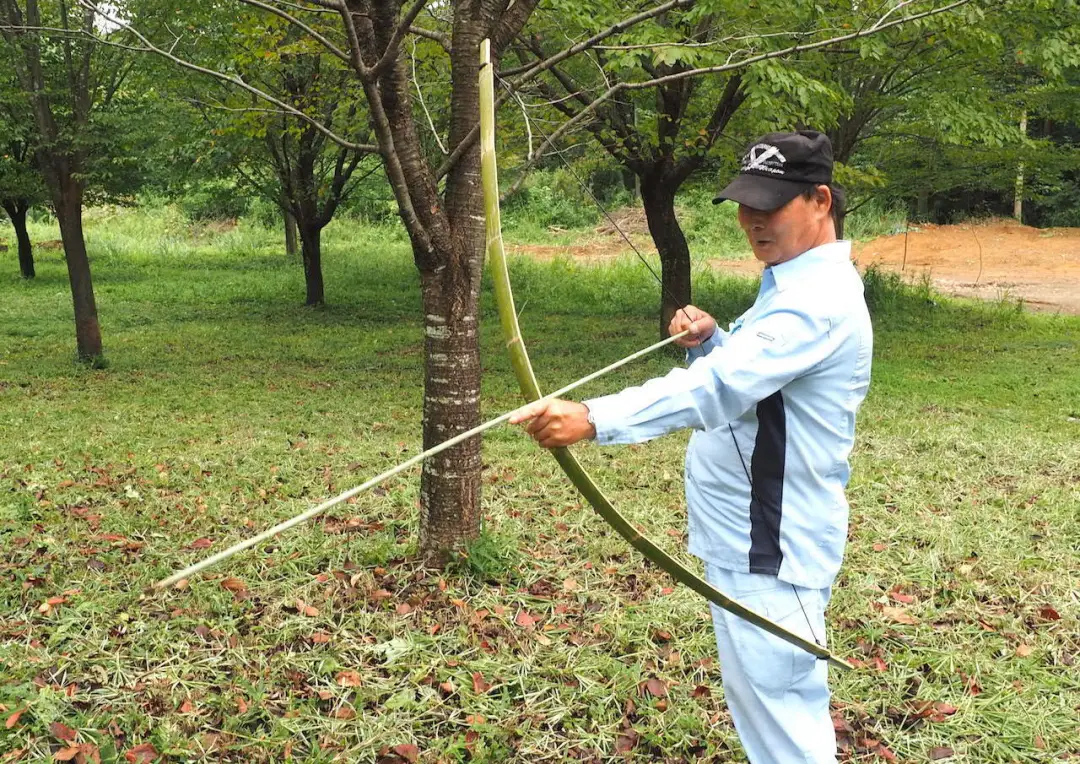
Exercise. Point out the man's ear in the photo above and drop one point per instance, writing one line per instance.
(824, 196)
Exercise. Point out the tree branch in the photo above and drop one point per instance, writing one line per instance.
(234, 80)
(334, 49)
(741, 64)
(432, 34)
(528, 73)
(394, 45)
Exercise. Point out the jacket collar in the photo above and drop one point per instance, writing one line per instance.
(802, 267)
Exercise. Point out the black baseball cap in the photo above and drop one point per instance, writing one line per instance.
(778, 167)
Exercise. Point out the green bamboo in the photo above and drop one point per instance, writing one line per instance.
(530, 388)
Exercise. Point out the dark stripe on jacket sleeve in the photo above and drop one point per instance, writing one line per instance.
(767, 496)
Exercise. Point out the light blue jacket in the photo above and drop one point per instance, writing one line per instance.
(772, 402)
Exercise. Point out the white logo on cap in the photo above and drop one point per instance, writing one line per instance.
(765, 158)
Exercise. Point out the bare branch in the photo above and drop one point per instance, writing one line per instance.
(620, 26)
(333, 5)
(801, 48)
(420, 97)
(51, 30)
(393, 47)
(300, 25)
(303, 8)
(432, 34)
(527, 73)
(528, 123)
(354, 40)
(877, 27)
(234, 80)
(514, 17)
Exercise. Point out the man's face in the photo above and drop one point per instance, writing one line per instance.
(778, 235)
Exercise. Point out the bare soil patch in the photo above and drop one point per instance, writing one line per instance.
(1000, 259)
(995, 260)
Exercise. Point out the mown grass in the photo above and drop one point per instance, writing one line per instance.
(227, 406)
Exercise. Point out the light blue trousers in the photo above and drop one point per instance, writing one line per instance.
(778, 695)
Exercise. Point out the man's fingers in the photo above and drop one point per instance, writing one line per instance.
(538, 424)
(529, 411)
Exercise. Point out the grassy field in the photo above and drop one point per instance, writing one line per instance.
(227, 406)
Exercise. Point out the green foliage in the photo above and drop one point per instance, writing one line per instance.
(215, 200)
(551, 198)
(712, 230)
(491, 559)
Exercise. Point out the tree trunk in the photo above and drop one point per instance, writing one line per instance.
(67, 199)
(922, 205)
(658, 197)
(450, 483)
(17, 210)
(291, 235)
(311, 251)
(1018, 198)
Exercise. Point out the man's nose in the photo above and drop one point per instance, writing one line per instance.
(756, 219)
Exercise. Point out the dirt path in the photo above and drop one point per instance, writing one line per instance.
(999, 259)
(994, 260)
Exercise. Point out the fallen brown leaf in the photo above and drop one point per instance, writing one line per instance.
(941, 752)
(349, 678)
(143, 753)
(233, 584)
(899, 615)
(14, 719)
(626, 741)
(1048, 613)
(407, 751)
(62, 732)
(885, 752)
(66, 754)
(480, 685)
(656, 688)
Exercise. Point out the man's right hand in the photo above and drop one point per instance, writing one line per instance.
(700, 324)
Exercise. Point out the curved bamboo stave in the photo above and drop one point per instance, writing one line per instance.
(530, 389)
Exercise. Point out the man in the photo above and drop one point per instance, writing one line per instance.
(772, 402)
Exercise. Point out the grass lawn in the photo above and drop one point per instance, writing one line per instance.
(228, 406)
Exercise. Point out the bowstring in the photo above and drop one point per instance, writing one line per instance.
(672, 300)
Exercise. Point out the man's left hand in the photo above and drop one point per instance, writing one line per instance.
(554, 423)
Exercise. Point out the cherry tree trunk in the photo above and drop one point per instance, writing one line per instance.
(450, 483)
(17, 210)
(659, 201)
(67, 199)
(311, 252)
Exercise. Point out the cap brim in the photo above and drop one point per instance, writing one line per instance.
(760, 192)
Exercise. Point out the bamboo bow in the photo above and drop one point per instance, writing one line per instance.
(530, 389)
